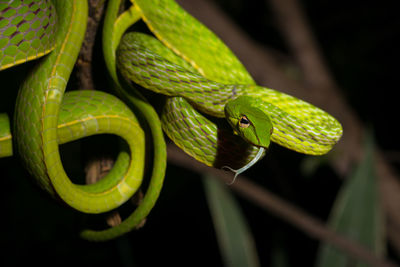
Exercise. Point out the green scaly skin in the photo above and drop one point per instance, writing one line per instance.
(46, 117)
(5, 137)
(215, 79)
(27, 31)
(194, 42)
(297, 125)
(209, 142)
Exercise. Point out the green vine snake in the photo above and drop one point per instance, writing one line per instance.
(214, 110)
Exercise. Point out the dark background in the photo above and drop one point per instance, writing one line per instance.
(359, 40)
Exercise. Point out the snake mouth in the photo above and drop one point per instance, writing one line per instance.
(265, 140)
(260, 143)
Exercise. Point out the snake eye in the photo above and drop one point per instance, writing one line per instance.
(244, 122)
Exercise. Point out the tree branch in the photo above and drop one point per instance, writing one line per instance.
(298, 35)
(84, 63)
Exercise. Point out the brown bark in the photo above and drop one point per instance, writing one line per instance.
(84, 63)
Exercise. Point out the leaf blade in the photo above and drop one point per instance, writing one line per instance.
(233, 234)
(357, 213)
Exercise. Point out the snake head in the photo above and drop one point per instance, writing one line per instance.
(248, 121)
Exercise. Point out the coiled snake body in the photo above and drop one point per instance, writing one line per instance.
(202, 78)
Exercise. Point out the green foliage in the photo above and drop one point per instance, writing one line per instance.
(234, 236)
(356, 213)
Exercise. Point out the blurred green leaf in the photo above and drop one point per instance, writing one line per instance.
(234, 237)
(357, 213)
(279, 256)
(310, 164)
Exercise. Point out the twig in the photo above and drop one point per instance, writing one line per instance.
(84, 64)
(280, 208)
(96, 169)
(297, 32)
